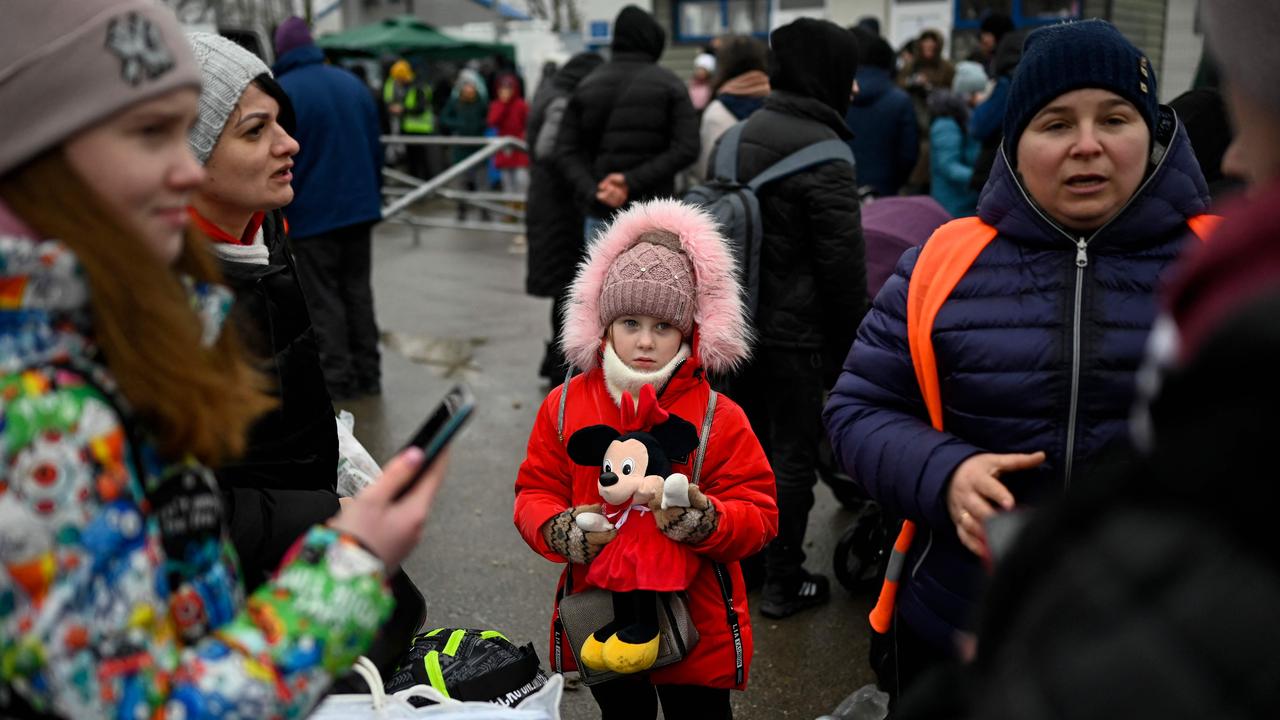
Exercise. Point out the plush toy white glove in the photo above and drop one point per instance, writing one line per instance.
(675, 491)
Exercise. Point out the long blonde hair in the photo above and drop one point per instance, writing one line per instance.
(191, 399)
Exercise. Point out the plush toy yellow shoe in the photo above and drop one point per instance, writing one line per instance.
(591, 654)
(625, 657)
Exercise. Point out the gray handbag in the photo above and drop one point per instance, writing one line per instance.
(582, 613)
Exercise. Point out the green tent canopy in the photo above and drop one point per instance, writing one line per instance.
(407, 35)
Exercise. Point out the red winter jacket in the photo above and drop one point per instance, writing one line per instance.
(735, 476)
(509, 118)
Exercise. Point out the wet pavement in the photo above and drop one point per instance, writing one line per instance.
(457, 301)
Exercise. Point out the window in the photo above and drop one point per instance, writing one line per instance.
(969, 13)
(701, 20)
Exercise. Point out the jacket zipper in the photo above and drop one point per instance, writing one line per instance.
(1082, 263)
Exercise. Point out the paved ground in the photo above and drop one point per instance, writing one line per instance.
(466, 290)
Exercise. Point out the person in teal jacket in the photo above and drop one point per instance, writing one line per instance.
(120, 385)
(953, 152)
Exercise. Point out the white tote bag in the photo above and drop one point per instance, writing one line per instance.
(378, 705)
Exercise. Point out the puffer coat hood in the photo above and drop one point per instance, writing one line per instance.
(814, 58)
(636, 31)
(721, 335)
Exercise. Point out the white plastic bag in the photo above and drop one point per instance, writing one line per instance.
(356, 467)
(377, 705)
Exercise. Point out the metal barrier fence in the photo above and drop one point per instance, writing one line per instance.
(408, 189)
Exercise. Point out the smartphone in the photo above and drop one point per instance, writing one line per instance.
(441, 427)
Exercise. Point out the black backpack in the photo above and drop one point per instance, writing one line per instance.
(736, 208)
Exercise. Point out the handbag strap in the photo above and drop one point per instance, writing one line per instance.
(702, 438)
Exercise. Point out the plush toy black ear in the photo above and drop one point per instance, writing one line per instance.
(677, 436)
(588, 445)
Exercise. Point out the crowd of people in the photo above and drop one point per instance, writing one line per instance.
(1061, 396)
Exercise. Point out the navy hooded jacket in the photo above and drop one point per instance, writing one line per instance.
(1012, 375)
(337, 173)
(886, 137)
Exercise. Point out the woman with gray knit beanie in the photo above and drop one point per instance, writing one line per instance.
(121, 385)
(285, 481)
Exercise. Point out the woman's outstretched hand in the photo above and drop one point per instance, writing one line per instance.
(975, 493)
(388, 527)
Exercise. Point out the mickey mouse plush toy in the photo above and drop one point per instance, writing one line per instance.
(635, 483)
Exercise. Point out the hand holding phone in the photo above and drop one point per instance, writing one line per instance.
(441, 427)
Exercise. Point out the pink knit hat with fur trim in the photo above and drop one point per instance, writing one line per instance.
(653, 277)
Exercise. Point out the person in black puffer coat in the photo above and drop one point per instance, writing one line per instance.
(629, 127)
(553, 221)
(812, 282)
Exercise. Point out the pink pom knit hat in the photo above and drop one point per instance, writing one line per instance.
(653, 277)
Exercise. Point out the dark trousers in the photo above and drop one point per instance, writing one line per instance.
(553, 362)
(901, 658)
(632, 697)
(334, 270)
(781, 393)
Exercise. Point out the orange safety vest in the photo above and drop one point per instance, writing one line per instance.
(943, 261)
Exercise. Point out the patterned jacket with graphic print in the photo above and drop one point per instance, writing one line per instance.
(119, 595)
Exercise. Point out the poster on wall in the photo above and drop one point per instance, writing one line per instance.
(908, 18)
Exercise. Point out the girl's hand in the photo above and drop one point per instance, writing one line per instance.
(387, 527)
(577, 545)
(693, 524)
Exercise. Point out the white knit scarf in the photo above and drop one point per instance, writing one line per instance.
(620, 378)
(255, 254)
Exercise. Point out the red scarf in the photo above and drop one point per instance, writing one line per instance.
(217, 234)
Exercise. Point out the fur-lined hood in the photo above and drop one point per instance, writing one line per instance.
(722, 337)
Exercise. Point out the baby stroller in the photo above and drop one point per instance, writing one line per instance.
(890, 226)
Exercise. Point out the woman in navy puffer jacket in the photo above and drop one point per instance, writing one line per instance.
(1038, 344)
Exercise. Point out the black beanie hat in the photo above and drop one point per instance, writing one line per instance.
(1071, 56)
(815, 58)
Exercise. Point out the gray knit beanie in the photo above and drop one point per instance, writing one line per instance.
(227, 69)
(1241, 36)
(67, 64)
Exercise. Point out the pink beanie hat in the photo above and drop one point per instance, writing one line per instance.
(653, 277)
(67, 64)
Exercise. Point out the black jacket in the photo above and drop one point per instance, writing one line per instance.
(286, 480)
(629, 116)
(813, 274)
(553, 220)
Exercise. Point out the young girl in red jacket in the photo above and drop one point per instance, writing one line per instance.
(657, 303)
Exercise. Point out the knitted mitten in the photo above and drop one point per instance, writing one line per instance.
(575, 544)
(692, 524)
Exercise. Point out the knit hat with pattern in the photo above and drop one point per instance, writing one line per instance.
(653, 277)
(1071, 56)
(67, 64)
(227, 70)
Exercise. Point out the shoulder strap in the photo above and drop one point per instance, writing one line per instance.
(564, 397)
(702, 439)
(804, 158)
(727, 154)
(1203, 225)
(943, 261)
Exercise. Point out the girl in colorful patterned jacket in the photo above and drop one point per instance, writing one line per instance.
(120, 385)
(656, 304)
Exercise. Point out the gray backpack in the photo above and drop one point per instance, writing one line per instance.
(736, 208)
